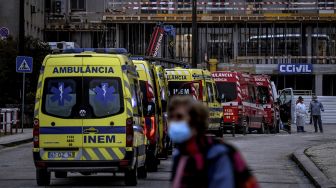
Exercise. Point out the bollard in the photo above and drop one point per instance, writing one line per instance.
(233, 129)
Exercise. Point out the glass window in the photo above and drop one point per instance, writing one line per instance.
(251, 93)
(227, 90)
(179, 88)
(210, 96)
(136, 93)
(105, 96)
(78, 5)
(60, 96)
(264, 94)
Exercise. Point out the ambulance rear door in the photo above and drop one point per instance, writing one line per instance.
(104, 119)
(60, 120)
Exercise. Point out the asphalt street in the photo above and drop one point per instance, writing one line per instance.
(267, 155)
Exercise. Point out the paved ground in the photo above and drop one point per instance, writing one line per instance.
(266, 154)
(324, 158)
(16, 138)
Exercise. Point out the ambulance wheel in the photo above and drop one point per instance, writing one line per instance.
(131, 178)
(61, 174)
(142, 172)
(42, 177)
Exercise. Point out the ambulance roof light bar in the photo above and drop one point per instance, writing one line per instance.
(161, 61)
(97, 50)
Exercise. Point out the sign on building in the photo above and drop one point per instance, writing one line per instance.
(295, 68)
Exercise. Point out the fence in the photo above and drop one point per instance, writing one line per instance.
(9, 121)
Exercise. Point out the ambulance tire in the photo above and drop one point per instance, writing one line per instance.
(61, 174)
(131, 178)
(42, 177)
(142, 172)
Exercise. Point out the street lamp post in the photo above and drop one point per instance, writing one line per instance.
(194, 34)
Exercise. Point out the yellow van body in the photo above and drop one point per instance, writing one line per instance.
(153, 87)
(88, 116)
(199, 84)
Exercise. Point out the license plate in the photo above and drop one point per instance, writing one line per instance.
(61, 154)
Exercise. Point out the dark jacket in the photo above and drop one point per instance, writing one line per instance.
(315, 108)
(220, 170)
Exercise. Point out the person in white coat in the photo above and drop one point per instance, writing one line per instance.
(301, 112)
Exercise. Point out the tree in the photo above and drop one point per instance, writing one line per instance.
(10, 81)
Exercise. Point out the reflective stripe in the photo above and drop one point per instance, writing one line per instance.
(112, 154)
(98, 153)
(86, 155)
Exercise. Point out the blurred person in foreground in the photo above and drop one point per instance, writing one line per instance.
(200, 161)
(315, 109)
(301, 112)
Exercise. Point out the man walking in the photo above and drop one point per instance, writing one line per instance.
(315, 109)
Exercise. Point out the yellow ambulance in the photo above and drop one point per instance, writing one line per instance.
(153, 99)
(88, 117)
(199, 84)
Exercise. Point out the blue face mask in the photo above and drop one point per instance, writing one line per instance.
(179, 131)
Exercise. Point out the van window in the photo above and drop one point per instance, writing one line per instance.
(105, 96)
(264, 94)
(210, 96)
(60, 96)
(228, 90)
(179, 88)
(252, 94)
(136, 103)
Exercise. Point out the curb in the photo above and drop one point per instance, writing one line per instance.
(15, 143)
(311, 170)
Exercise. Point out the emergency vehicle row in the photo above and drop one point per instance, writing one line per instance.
(99, 110)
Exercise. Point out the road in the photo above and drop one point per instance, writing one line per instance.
(268, 156)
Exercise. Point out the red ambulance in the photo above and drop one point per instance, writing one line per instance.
(265, 94)
(239, 98)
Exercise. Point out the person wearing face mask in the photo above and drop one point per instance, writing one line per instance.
(201, 161)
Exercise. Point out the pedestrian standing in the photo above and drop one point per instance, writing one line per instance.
(200, 161)
(301, 113)
(315, 109)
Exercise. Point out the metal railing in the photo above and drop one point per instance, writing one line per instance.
(300, 92)
(285, 59)
(9, 121)
(228, 6)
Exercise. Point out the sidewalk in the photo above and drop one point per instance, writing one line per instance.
(10, 140)
(318, 163)
(323, 157)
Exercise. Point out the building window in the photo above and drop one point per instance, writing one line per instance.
(78, 5)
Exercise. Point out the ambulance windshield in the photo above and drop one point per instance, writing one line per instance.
(228, 90)
(180, 88)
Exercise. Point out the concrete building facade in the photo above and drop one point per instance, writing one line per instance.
(259, 34)
(34, 17)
